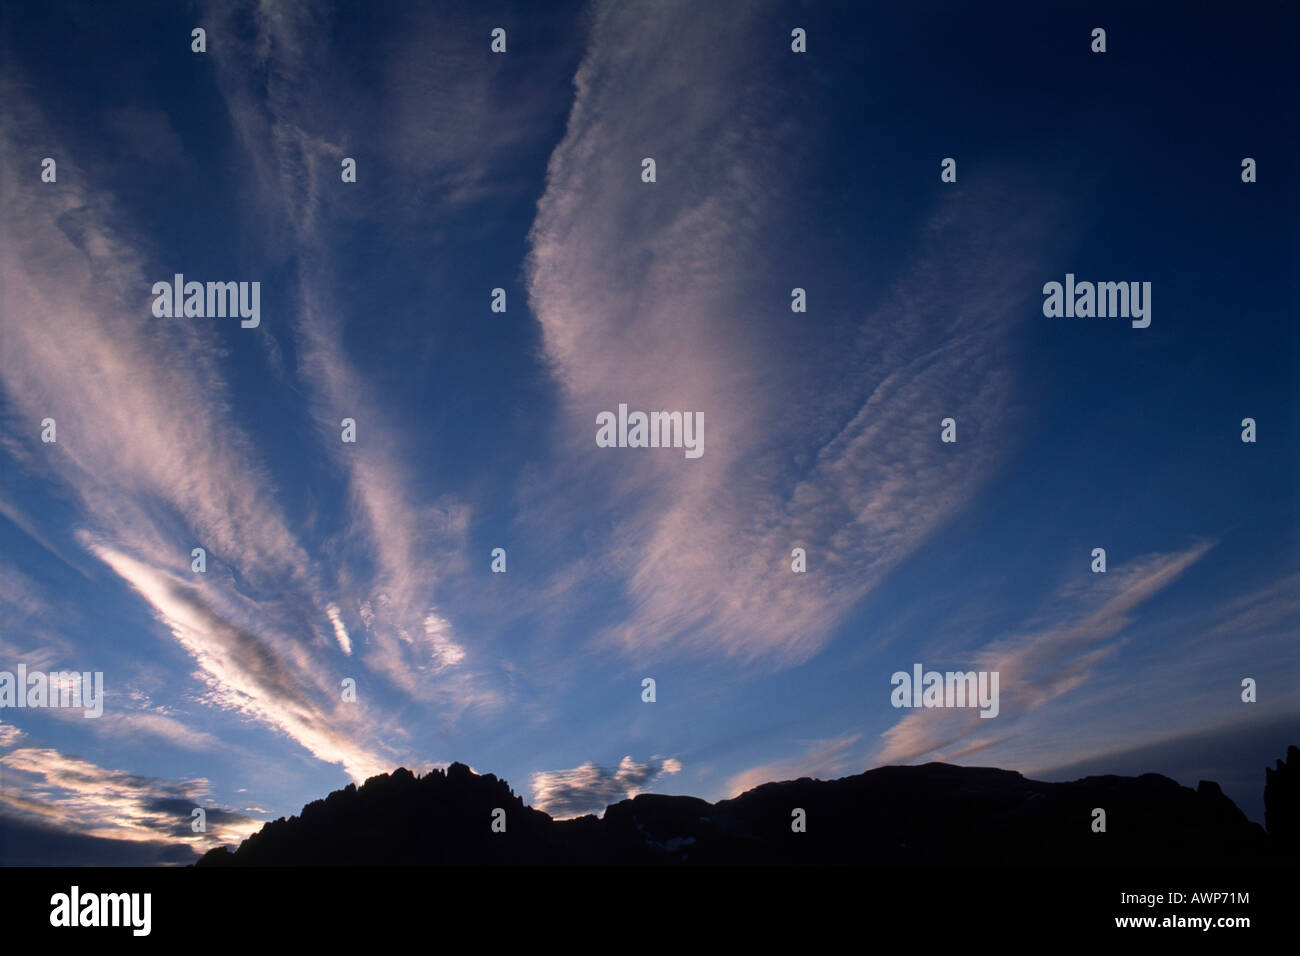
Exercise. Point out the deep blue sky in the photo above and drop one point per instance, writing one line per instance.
(476, 429)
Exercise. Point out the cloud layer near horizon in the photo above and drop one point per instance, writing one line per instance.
(589, 788)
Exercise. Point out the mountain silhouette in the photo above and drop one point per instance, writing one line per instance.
(931, 814)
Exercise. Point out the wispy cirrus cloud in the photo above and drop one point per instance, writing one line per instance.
(145, 440)
(1201, 662)
(150, 447)
(147, 443)
(1060, 652)
(278, 101)
(170, 730)
(272, 680)
(822, 759)
(340, 629)
(121, 721)
(837, 451)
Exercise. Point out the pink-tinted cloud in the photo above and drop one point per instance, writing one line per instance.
(1082, 629)
(590, 788)
(822, 759)
(836, 452)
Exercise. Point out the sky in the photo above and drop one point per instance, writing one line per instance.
(371, 561)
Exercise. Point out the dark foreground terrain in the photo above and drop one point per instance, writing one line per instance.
(931, 814)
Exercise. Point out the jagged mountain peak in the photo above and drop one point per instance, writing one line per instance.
(934, 813)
